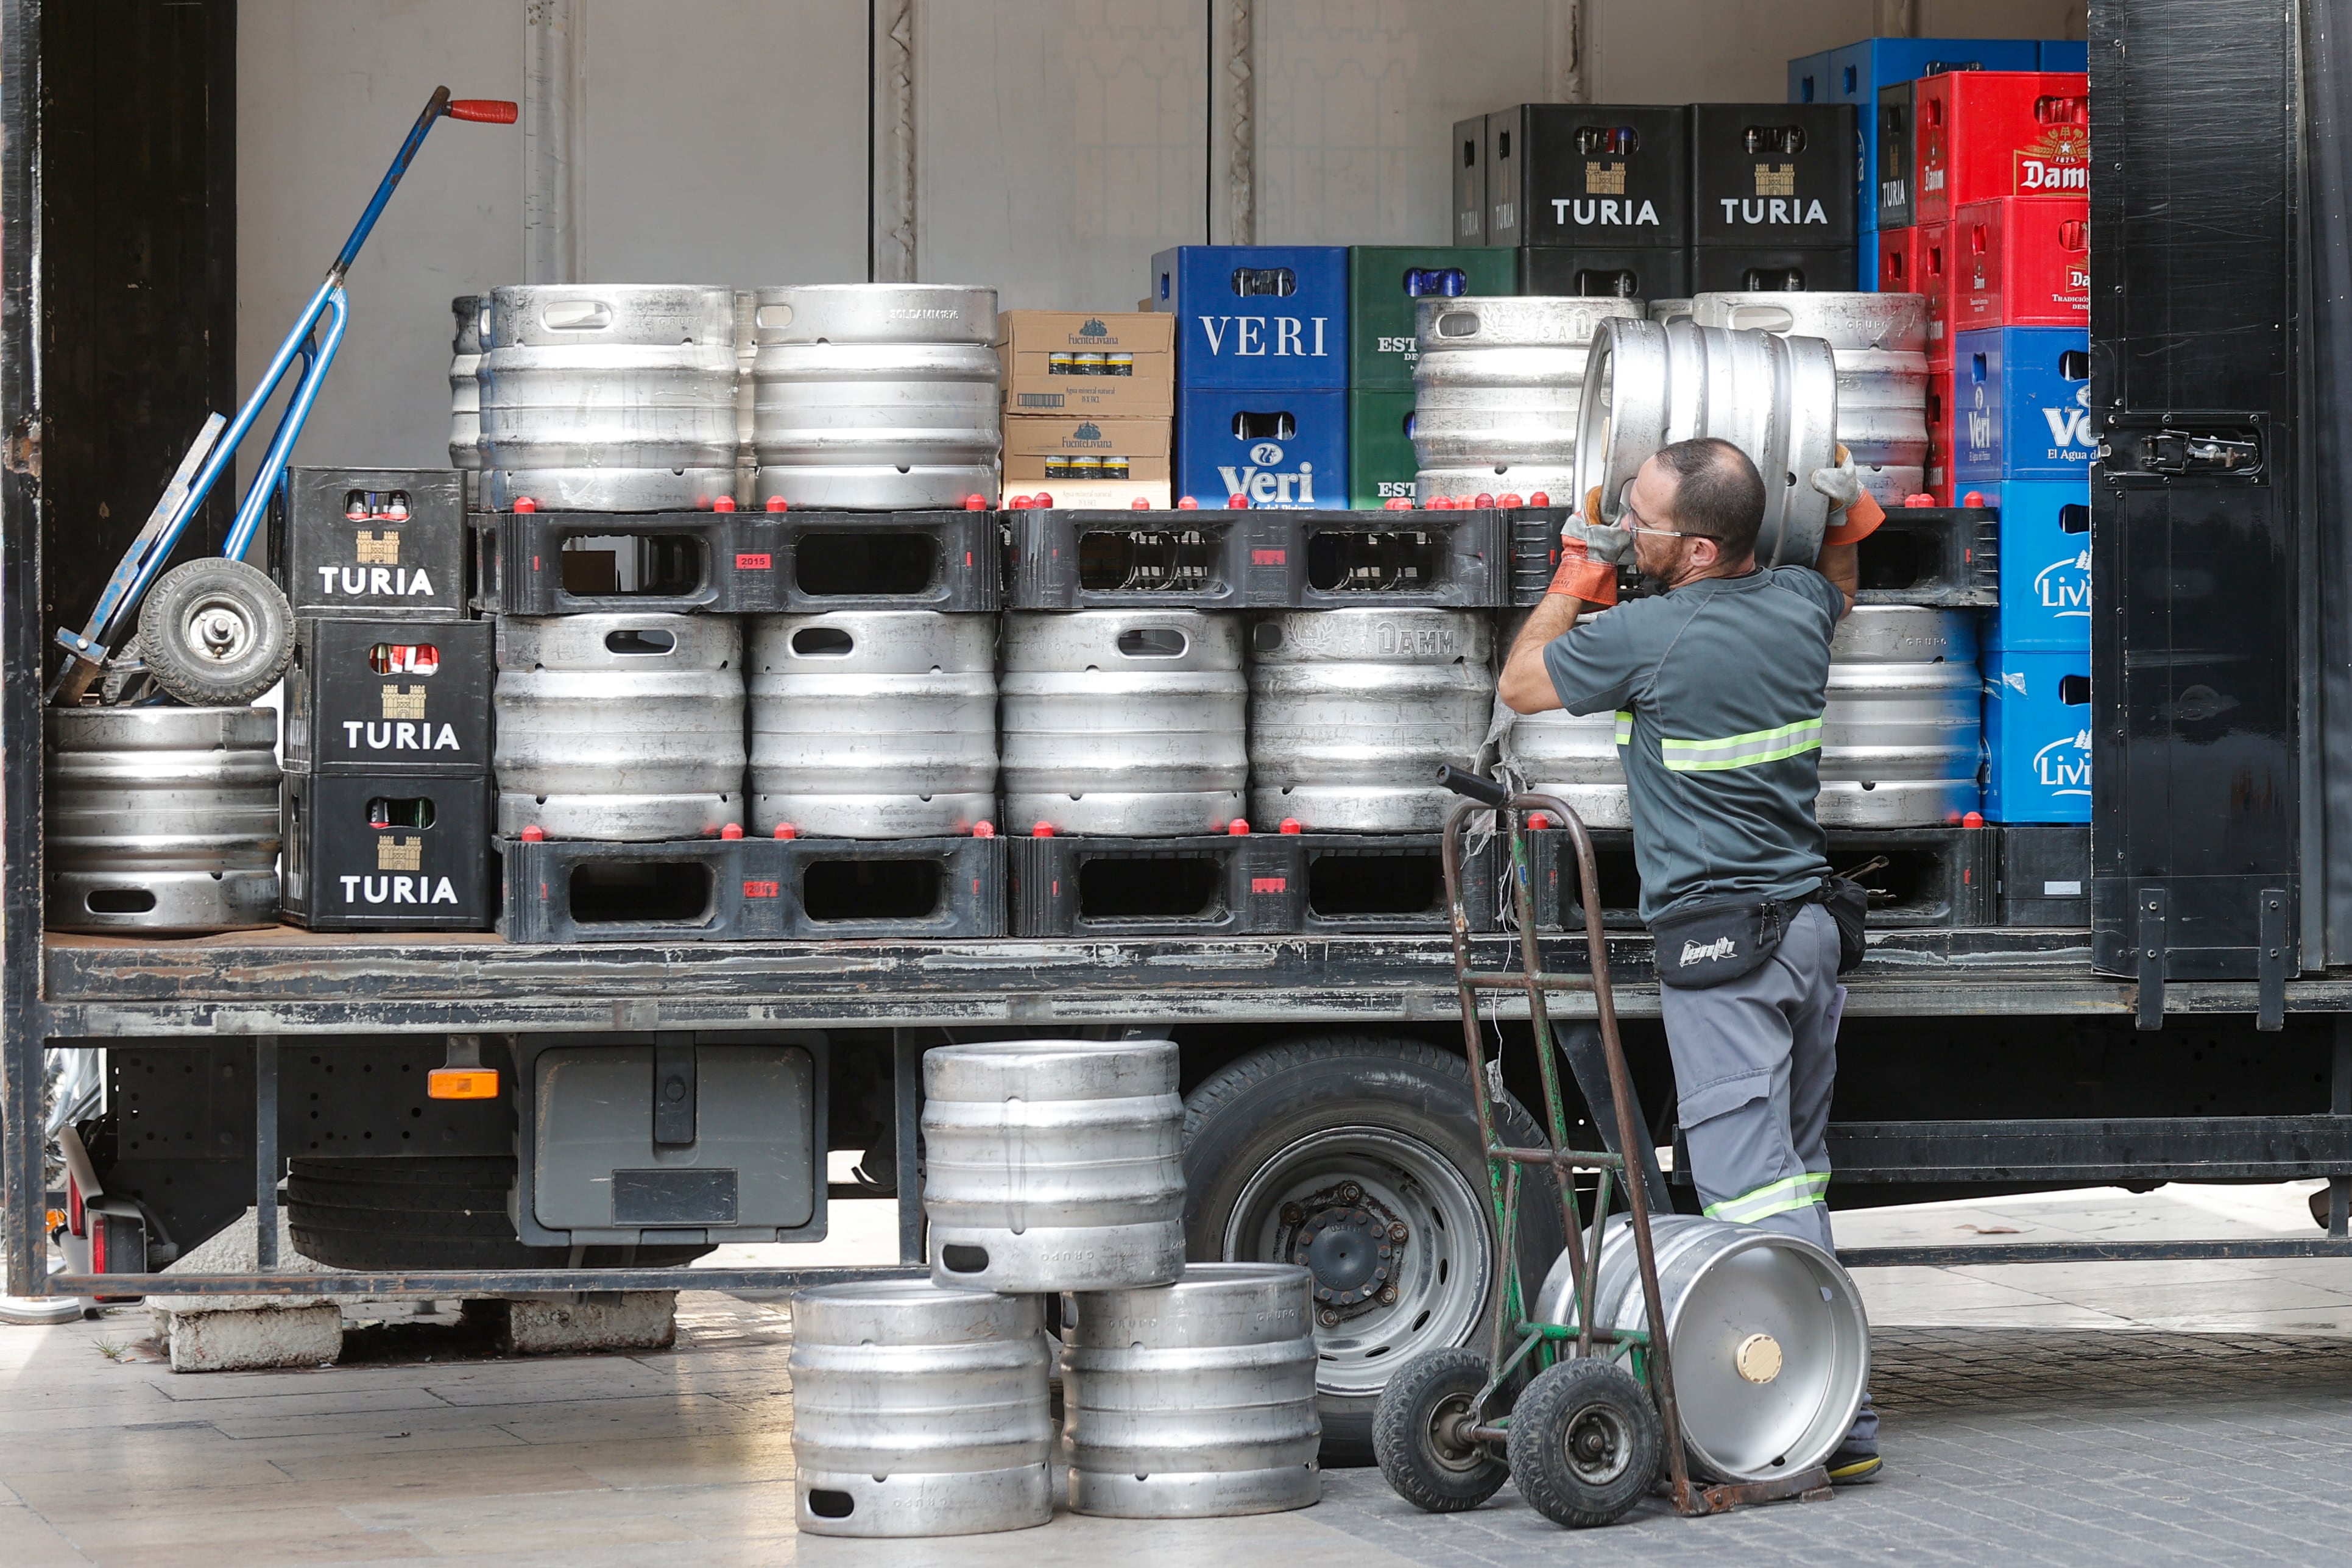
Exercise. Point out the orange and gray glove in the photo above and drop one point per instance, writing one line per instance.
(1588, 551)
(1854, 514)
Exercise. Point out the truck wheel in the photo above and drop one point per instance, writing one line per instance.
(1359, 1156)
(215, 633)
(442, 1211)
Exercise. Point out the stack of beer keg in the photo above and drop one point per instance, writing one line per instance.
(1055, 1193)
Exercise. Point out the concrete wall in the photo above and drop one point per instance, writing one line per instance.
(1058, 142)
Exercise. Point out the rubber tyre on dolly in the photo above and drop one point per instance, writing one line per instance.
(434, 1211)
(1275, 1145)
(1416, 1433)
(1584, 1443)
(215, 633)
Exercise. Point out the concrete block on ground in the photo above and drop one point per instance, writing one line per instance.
(587, 1321)
(237, 1333)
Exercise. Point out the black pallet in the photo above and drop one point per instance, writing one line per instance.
(2046, 875)
(337, 549)
(1258, 884)
(420, 863)
(353, 708)
(745, 562)
(1936, 877)
(1944, 556)
(754, 890)
(1223, 560)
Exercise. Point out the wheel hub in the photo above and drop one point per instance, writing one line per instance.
(1351, 1243)
(221, 631)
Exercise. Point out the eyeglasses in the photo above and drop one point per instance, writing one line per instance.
(1630, 520)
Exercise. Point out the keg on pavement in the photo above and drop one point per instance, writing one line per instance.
(1054, 1165)
(1775, 398)
(1900, 736)
(920, 1411)
(1123, 722)
(609, 396)
(1496, 391)
(465, 386)
(875, 395)
(1769, 1345)
(1353, 712)
(873, 723)
(162, 819)
(1195, 1399)
(1570, 756)
(1879, 343)
(619, 727)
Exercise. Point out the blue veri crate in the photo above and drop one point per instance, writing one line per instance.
(2046, 567)
(1865, 259)
(2066, 55)
(2022, 404)
(1256, 315)
(1808, 78)
(1281, 448)
(2037, 728)
(1854, 73)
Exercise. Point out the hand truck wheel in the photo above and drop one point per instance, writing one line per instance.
(1584, 1443)
(215, 633)
(1421, 1431)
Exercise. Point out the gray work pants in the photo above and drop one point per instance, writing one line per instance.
(1755, 1059)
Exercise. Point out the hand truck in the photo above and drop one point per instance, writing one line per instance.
(1587, 1437)
(217, 631)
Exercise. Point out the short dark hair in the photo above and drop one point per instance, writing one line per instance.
(1718, 492)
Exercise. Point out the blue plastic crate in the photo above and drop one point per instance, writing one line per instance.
(1808, 78)
(2045, 566)
(2066, 55)
(2022, 404)
(1282, 448)
(1857, 71)
(2037, 728)
(1256, 315)
(1865, 257)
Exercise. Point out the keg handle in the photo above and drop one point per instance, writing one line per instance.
(1474, 786)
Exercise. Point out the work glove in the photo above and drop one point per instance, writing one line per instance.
(1839, 481)
(1580, 576)
(1603, 542)
(1855, 515)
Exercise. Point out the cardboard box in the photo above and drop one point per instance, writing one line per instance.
(2022, 404)
(1043, 373)
(1982, 134)
(1105, 494)
(1033, 469)
(1039, 437)
(2023, 261)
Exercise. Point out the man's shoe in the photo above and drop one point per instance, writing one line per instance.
(1854, 1467)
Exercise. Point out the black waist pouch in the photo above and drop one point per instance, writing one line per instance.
(1717, 942)
(1848, 903)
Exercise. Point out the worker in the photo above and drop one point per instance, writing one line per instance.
(1720, 683)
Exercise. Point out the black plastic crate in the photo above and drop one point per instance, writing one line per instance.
(388, 852)
(1945, 556)
(377, 697)
(1602, 175)
(1933, 875)
(1598, 274)
(735, 562)
(1767, 269)
(1259, 884)
(1772, 174)
(1256, 560)
(1895, 202)
(749, 889)
(380, 542)
(2046, 875)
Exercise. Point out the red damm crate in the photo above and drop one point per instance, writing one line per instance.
(1940, 430)
(1982, 134)
(1899, 260)
(1931, 268)
(2021, 261)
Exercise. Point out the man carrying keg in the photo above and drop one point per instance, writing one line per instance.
(1719, 685)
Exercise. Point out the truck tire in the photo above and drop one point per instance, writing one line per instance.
(1317, 1149)
(442, 1211)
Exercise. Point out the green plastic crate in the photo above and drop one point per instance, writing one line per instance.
(1380, 452)
(1379, 311)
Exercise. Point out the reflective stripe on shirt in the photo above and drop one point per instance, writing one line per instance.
(1741, 751)
(1624, 726)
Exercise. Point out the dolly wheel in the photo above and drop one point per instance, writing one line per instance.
(1584, 1443)
(215, 633)
(1419, 1433)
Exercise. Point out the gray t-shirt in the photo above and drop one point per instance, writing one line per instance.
(1719, 686)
